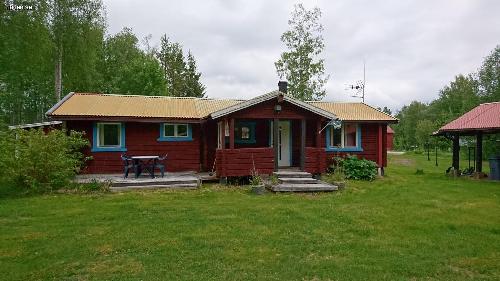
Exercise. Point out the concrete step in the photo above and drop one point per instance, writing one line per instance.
(298, 180)
(292, 174)
(155, 186)
(289, 187)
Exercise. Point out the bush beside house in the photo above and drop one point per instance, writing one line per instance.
(36, 160)
(357, 169)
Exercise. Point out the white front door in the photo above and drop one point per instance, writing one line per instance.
(284, 145)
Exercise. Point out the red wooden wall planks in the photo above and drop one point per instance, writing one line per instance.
(369, 143)
(141, 139)
(239, 162)
(315, 162)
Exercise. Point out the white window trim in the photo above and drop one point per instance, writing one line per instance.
(342, 137)
(176, 132)
(99, 124)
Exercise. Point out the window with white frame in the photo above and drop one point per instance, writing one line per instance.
(109, 135)
(344, 136)
(175, 130)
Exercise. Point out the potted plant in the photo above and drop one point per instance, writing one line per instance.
(257, 185)
(256, 182)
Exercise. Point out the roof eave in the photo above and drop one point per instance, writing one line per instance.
(243, 105)
(370, 121)
(468, 131)
(311, 108)
(126, 118)
(58, 104)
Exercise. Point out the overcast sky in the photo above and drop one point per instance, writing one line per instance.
(412, 48)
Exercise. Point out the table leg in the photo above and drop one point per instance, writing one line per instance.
(153, 169)
(138, 171)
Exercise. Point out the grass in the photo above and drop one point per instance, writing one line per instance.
(401, 227)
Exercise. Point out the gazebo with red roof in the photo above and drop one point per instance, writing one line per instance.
(483, 119)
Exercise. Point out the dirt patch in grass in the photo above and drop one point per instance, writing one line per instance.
(105, 249)
(128, 266)
(403, 161)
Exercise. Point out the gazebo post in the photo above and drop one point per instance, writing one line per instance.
(479, 152)
(456, 153)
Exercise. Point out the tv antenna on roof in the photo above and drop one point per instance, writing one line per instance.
(359, 87)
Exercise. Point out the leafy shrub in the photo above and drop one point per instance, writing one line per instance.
(34, 159)
(358, 169)
(274, 179)
(94, 186)
(336, 172)
(255, 179)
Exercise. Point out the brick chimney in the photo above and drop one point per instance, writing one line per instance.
(283, 86)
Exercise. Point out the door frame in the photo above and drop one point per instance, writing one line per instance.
(290, 147)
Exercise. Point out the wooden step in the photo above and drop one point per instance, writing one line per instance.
(298, 180)
(289, 187)
(292, 174)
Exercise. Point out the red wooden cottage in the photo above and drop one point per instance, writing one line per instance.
(233, 134)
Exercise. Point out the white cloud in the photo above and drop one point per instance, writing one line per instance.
(412, 48)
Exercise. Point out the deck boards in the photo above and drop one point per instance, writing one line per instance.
(181, 180)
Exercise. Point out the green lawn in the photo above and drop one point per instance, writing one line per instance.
(402, 227)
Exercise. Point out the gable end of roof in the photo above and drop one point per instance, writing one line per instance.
(269, 96)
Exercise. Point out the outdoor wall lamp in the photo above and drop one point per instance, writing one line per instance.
(277, 108)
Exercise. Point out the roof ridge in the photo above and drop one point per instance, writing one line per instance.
(166, 97)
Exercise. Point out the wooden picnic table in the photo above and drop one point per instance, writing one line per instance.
(146, 162)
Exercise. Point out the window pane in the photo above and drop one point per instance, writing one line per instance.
(226, 129)
(109, 134)
(182, 130)
(336, 137)
(245, 133)
(169, 130)
(350, 135)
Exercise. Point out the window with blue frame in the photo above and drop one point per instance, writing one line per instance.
(175, 132)
(108, 136)
(344, 137)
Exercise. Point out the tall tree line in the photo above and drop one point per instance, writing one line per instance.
(182, 78)
(418, 120)
(61, 46)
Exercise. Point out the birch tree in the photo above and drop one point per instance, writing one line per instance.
(301, 64)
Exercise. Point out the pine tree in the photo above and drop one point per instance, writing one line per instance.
(173, 65)
(181, 75)
(194, 87)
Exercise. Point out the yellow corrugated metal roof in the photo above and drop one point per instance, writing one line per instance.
(207, 106)
(105, 105)
(353, 111)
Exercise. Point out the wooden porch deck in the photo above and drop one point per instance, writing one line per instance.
(178, 180)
